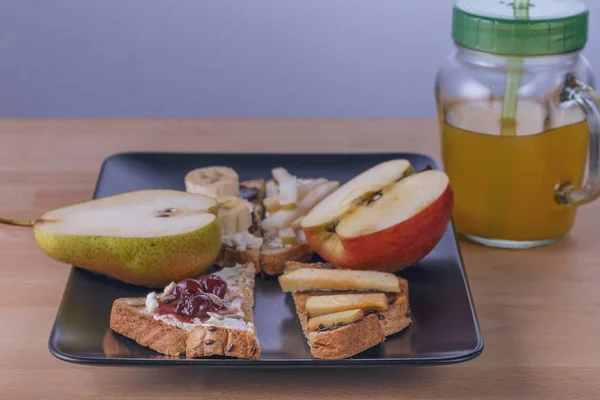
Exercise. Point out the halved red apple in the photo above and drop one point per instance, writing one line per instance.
(386, 218)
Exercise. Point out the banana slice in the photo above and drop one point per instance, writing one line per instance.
(233, 215)
(216, 182)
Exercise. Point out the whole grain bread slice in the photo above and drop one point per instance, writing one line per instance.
(354, 338)
(129, 318)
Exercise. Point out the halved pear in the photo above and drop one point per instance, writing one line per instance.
(145, 237)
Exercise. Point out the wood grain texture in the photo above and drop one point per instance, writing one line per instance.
(539, 309)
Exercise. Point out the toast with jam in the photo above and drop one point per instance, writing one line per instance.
(345, 312)
(211, 315)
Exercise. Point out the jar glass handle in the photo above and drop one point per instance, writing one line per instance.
(578, 92)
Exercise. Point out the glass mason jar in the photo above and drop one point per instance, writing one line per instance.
(519, 120)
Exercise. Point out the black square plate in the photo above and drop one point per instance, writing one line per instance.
(444, 328)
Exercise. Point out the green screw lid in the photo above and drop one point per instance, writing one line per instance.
(520, 27)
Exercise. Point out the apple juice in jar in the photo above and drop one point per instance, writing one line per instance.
(516, 114)
(489, 170)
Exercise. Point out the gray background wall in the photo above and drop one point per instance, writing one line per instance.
(245, 58)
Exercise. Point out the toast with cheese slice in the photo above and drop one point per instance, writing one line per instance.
(345, 312)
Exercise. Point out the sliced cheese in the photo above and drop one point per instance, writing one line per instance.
(321, 305)
(304, 279)
(340, 318)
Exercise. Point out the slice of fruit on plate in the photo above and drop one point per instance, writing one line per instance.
(329, 304)
(387, 218)
(288, 236)
(304, 279)
(288, 189)
(214, 181)
(273, 203)
(234, 215)
(339, 318)
(145, 237)
(284, 218)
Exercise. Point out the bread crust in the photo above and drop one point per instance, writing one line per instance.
(229, 257)
(128, 318)
(397, 316)
(272, 261)
(207, 341)
(348, 340)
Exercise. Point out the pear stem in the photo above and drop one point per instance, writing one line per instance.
(14, 222)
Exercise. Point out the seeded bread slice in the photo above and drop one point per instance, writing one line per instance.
(219, 341)
(354, 338)
(346, 341)
(129, 318)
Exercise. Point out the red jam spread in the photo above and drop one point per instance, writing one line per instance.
(190, 298)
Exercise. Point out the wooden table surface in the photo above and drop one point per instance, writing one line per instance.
(538, 309)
